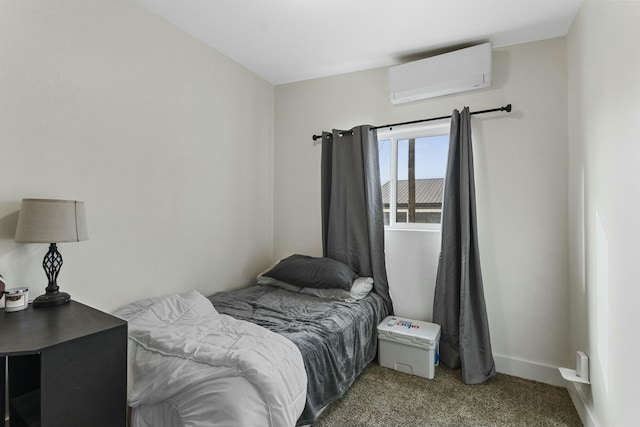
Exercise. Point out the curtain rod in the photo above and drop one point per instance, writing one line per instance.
(506, 108)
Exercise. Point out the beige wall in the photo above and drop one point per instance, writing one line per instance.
(168, 142)
(521, 180)
(604, 116)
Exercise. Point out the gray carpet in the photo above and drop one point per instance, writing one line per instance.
(382, 397)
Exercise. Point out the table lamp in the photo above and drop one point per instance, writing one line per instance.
(51, 221)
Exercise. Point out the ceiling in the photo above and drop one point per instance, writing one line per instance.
(290, 40)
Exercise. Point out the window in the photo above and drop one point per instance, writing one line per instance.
(413, 162)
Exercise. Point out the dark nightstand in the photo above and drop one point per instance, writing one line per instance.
(67, 367)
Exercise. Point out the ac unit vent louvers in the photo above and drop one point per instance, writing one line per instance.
(458, 71)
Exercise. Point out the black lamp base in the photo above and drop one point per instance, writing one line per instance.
(51, 264)
(51, 299)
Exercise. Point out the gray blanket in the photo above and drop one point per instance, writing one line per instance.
(336, 339)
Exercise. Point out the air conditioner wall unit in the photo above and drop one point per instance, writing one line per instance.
(458, 71)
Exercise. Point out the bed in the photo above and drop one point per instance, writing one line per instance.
(321, 339)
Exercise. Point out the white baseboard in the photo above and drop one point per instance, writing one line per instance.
(528, 369)
(580, 395)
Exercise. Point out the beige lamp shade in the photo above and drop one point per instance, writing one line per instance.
(51, 221)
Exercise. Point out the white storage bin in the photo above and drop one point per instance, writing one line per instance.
(409, 346)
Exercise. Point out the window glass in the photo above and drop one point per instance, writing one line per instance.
(412, 172)
(420, 185)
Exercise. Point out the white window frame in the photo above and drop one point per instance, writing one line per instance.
(406, 132)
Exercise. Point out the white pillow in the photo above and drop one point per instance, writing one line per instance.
(264, 280)
(360, 289)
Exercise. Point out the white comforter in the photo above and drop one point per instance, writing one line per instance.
(189, 364)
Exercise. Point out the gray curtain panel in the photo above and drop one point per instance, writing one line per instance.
(352, 216)
(459, 305)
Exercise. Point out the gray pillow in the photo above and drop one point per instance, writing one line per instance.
(309, 272)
